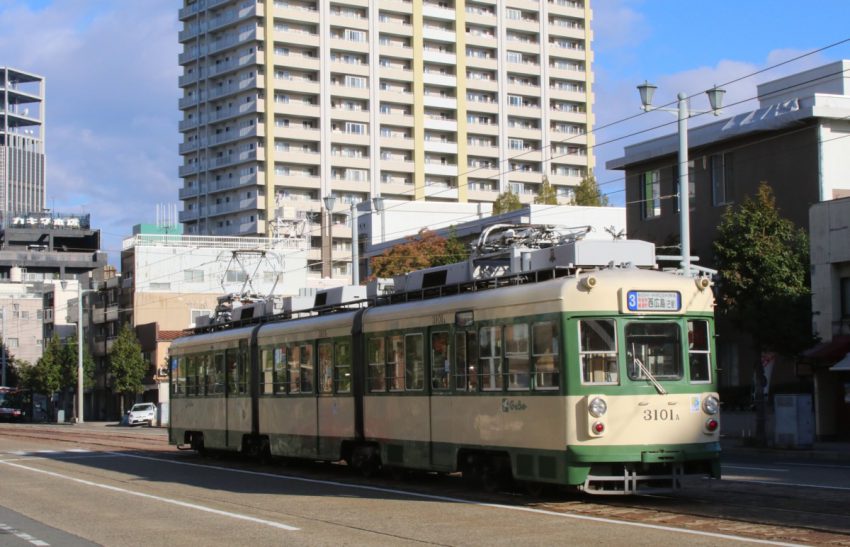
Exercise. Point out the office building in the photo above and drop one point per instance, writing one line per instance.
(285, 103)
(21, 144)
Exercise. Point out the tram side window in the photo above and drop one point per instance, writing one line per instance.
(326, 369)
(415, 362)
(545, 341)
(293, 352)
(490, 358)
(598, 351)
(216, 380)
(267, 360)
(231, 357)
(204, 366)
(440, 363)
(516, 355)
(243, 381)
(342, 366)
(178, 378)
(377, 364)
(466, 377)
(192, 376)
(279, 356)
(395, 363)
(307, 368)
(657, 347)
(699, 351)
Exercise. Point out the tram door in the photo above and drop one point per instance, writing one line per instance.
(441, 409)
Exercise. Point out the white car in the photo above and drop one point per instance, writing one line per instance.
(141, 413)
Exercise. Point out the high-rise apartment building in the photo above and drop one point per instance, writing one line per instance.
(21, 143)
(286, 102)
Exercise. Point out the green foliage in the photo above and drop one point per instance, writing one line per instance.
(424, 250)
(46, 376)
(126, 365)
(69, 365)
(764, 266)
(547, 195)
(588, 193)
(506, 202)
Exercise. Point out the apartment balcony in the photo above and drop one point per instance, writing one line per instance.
(401, 97)
(342, 44)
(223, 20)
(530, 154)
(491, 129)
(567, 95)
(231, 136)
(518, 132)
(309, 182)
(441, 125)
(340, 137)
(189, 192)
(399, 189)
(297, 38)
(243, 181)
(483, 195)
(354, 163)
(102, 345)
(441, 169)
(491, 107)
(564, 180)
(398, 74)
(355, 69)
(440, 192)
(437, 12)
(579, 139)
(404, 143)
(489, 19)
(440, 35)
(480, 40)
(236, 206)
(402, 120)
(294, 108)
(534, 177)
(440, 147)
(525, 25)
(482, 150)
(568, 74)
(298, 156)
(184, 103)
(399, 6)
(398, 29)
(188, 216)
(481, 63)
(253, 82)
(475, 84)
(402, 52)
(297, 132)
(343, 185)
(435, 78)
(345, 115)
(559, 31)
(200, 5)
(190, 169)
(234, 159)
(579, 118)
(491, 173)
(526, 68)
(400, 166)
(346, 21)
(187, 147)
(309, 87)
(529, 111)
(350, 92)
(558, 9)
(441, 57)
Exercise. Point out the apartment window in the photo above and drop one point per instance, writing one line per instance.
(845, 297)
(514, 100)
(512, 13)
(721, 179)
(516, 144)
(193, 276)
(355, 128)
(12, 343)
(356, 81)
(160, 286)
(650, 194)
(514, 57)
(355, 35)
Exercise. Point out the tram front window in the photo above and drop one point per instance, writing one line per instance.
(655, 346)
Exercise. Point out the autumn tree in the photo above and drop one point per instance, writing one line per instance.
(588, 193)
(547, 195)
(506, 202)
(126, 365)
(424, 250)
(763, 265)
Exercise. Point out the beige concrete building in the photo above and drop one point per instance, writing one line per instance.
(287, 102)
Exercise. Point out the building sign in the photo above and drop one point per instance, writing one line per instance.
(51, 221)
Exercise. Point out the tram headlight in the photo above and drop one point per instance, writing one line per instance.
(597, 407)
(710, 405)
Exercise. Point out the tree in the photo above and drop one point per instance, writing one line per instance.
(126, 365)
(46, 376)
(68, 366)
(424, 250)
(588, 193)
(547, 195)
(763, 266)
(506, 202)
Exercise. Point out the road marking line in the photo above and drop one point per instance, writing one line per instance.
(733, 478)
(23, 535)
(770, 469)
(156, 498)
(467, 502)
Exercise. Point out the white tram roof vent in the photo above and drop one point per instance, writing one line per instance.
(587, 253)
(298, 304)
(338, 296)
(377, 288)
(438, 276)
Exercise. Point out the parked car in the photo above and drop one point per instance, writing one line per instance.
(141, 413)
(11, 414)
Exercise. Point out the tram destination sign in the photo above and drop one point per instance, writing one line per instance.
(640, 301)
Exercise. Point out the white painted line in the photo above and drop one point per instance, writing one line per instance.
(768, 469)
(156, 498)
(24, 536)
(734, 478)
(823, 465)
(78, 450)
(394, 491)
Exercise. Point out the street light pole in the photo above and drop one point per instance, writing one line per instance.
(355, 252)
(715, 98)
(79, 351)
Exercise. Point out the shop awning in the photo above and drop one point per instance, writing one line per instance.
(827, 353)
(842, 365)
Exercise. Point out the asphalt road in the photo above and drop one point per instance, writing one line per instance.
(132, 498)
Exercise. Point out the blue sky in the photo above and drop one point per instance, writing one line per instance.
(111, 69)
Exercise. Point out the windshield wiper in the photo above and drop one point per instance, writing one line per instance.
(649, 375)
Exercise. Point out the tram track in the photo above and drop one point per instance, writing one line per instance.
(761, 512)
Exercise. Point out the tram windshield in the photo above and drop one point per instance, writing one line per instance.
(654, 351)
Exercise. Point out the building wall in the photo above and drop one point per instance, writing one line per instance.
(21, 330)
(420, 100)
(788, 162)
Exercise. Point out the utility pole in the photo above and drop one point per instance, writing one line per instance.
(3, 349)
(79, 351)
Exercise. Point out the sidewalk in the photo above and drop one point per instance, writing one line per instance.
(826, 451)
